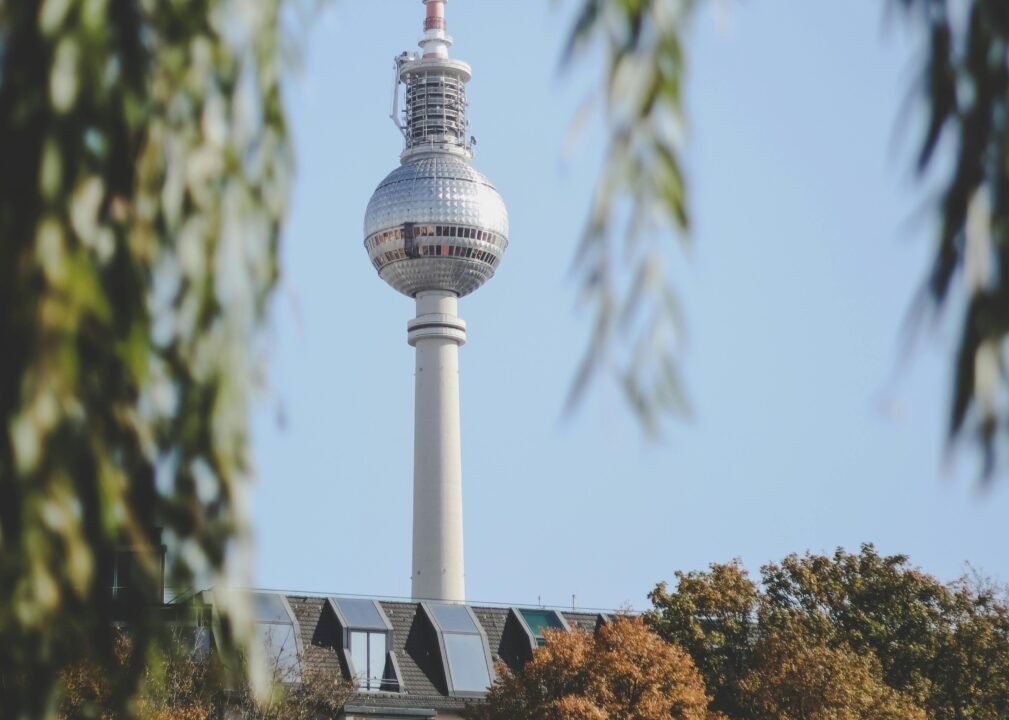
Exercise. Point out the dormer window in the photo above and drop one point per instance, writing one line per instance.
(465, 656)
(367, 644)
(536, 621)
(279, 635)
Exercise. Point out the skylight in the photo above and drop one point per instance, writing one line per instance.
(270, 608)
(361, 614)
(278, 636)
(454, 618)
(539, 620)
(466, 657)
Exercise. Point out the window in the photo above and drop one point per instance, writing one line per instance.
(536, 621)
(278, 636)
(366, 642)
(367, 650)
(191, 637)
(464, 648)
(123, 567)
(133, 577)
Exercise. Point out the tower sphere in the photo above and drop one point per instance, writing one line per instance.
(436, 223)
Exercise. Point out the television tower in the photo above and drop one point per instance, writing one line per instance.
(435, 230)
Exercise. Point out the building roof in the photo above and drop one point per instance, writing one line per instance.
(414, 643)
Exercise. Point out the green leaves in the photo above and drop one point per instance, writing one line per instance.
(641, 195)
(622, 671)
(712, 615)
(146, 166)
(965, 83)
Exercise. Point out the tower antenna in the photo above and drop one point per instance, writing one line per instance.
(435, 42)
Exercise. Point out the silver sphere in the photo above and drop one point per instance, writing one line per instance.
(435, 223)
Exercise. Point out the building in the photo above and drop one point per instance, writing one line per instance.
(408, 659)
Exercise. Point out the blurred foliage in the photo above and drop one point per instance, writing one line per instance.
(622, 671)
(182, 680)
(942, 647)
(964, 81)
(145, 172)
(177, 683)
(636, 315)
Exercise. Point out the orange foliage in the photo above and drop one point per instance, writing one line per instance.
(796, 678)
(180, 691)
(623, 671)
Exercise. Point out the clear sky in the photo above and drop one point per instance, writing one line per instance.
(811, 429)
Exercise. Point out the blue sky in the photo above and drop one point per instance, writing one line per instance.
(812, 429)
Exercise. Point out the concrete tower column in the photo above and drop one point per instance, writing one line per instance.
(436, 333)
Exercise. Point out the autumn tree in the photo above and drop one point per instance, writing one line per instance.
(713, 616)
(622, 671)
(943, 646)
(793, 677)
(179, 681)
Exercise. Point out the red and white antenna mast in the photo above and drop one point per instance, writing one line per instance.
(435, 41)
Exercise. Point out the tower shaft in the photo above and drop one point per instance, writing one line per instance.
(436, 333)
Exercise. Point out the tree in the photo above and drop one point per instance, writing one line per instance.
(963, 80)
(623, 671)
(713, 615)
(943, 647)
(144, 176)
(179, 685)
(794, 678)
